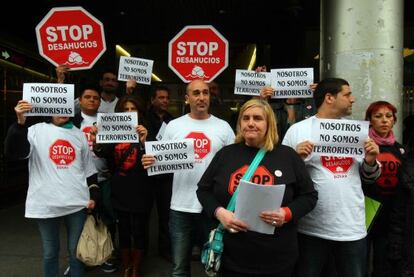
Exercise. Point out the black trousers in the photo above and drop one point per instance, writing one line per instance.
(132, 229)
(163, 192)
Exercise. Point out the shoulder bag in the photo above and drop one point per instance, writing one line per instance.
(95, 243)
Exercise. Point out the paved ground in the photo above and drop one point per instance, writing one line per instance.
(20, 250)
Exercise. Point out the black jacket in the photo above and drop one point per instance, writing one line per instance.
(384, 188)
(402, 220)
(131, 190)
(154, 123)
(77, 120)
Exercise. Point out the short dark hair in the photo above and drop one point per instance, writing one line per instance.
(158, 88)
(108, 70)
(89, 85)
(328, 85)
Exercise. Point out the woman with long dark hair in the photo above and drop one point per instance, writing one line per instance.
(131, 192)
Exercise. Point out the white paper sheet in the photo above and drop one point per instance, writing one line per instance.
(252, 199)
(161, 131)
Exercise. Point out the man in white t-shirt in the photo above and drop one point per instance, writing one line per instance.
(110, 85)
(89, 101)
(336, 226)
(210, 134)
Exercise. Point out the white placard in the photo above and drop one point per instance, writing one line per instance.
(292, 82)
(170, 156)
(117, 127)
(251, 82)
(136, 69)
(161, 131)
(252, 199)
(339, 137)
(50, 99)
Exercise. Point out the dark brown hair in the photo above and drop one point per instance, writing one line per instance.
(119, 108)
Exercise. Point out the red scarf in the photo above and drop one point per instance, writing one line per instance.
(388, 140)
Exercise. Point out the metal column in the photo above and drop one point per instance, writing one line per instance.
(362, 42)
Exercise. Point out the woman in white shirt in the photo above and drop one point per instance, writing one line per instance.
(60, 171)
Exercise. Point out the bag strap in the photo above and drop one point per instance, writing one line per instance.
(246, 177)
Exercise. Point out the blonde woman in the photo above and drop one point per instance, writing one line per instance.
(248, 253)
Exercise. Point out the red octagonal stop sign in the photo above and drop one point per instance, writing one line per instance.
(71, 36)
(198, 52)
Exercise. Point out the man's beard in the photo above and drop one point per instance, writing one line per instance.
(110, 90)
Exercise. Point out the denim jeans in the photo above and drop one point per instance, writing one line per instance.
(49, 232)
(184, 231)
(349, 256)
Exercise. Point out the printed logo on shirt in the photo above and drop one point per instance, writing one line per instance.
(261, 176)
(389, 167)
(339, 166)
(202, 145)
(129, 162)
(87, 133)
(62, 153)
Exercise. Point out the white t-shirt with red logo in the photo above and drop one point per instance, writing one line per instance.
(59, 163)
(100, 163)
(86, 126)
(209, 135)
(339, 213)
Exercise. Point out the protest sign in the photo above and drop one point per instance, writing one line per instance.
(136, 69)
(198, 52)
(71, 36)
(117, 128)
(292, 82)
(170, 156)
(49, 99)
(340, 138)
(251, 82)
